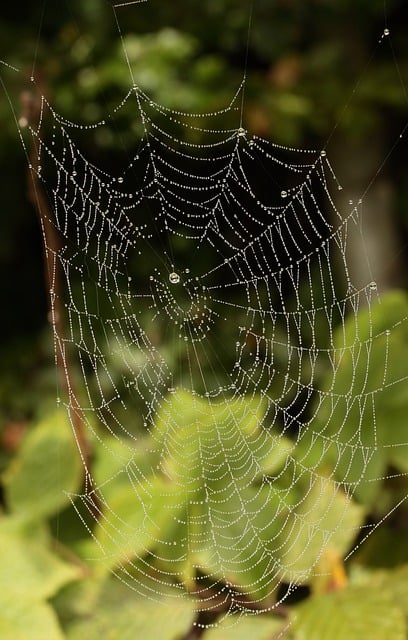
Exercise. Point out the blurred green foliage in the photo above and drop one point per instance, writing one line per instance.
(55, 566)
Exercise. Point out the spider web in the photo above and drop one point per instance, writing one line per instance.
(214, 322)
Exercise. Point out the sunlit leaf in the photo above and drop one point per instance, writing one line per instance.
(325, 519)
(370, 364)
(229, 525)
(121, 615)
(47, 465)
(133, 518)
(248, 627)
(112, 456)
(29, 572)
(393, 582)
(353, 614)
(34, 622)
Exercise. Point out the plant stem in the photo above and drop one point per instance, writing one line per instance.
(31, 115)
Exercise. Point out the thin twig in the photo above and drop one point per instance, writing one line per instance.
(31, 114)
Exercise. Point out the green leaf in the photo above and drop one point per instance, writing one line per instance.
(34, 622)
(79, 599)
(134, 517)
(122, 615)
(211, 451)
(29, 572)
(361, 424)
(192, 509)
(326, 519)
(394, 583)
(247, 627)
(47, 465)
(113, 456)
(232, 536)
(353, 614)
(187, 514)
(197, 438)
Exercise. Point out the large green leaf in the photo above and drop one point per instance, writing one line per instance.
(392, 582)
(246, 627)
(133, 517)
(361, 424)
(213, 451)
(29, 572)
(34, 622)
(121, 614)
(188, 500)
(326, 519)
(113, 456)
(47, 465)
(199, 438)
(353, 614)
(235, 536)
(198, 511)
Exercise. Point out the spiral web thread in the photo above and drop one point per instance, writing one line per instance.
(207, 296)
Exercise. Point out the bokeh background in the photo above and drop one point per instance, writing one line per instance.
(320, 73)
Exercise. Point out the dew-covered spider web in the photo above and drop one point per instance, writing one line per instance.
(234, 374)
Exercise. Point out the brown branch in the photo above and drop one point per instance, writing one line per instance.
(31, 113)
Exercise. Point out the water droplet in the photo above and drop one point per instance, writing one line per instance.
(387, 332)
(120, 179)
(386, 32)
(350, 202)
(284, 194)
(323, 152)
(372, 286)
(171, 390)
(241, 132)
(174, 277)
